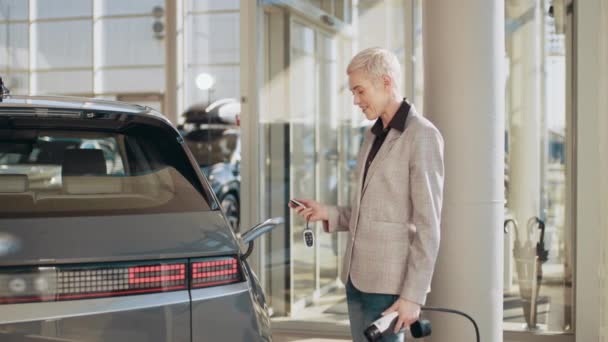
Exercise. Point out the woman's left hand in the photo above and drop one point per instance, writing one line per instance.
(409, 312)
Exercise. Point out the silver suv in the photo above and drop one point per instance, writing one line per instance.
(109, 231)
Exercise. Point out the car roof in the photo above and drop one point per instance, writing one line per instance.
(78, 104)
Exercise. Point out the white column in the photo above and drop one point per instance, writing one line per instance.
(464, 97)
(171, 64)
(409, 84)
(602, 128)
(591, 309)
(251, 17)
(180, 62)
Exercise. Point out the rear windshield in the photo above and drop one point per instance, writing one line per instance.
(76, 173)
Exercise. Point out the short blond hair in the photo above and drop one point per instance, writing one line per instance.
(376, 62)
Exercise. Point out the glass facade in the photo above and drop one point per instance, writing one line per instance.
(119, 52)
(311, 134)
(102, 48)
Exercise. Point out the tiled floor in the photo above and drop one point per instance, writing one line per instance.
(299, 338)
(327, 321)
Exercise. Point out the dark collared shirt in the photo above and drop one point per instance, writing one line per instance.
(397, 122)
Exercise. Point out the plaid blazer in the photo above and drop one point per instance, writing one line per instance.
(394, 218)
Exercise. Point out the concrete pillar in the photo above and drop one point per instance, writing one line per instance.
(464, 96)
(602, 128)
(251, 20)
(591, 105)
(171, 62)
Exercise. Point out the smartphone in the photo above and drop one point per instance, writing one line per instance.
(296, 203)
(307, 234)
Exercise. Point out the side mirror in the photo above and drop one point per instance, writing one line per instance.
(257, 231)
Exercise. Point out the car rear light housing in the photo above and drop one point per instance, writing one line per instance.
(214, 271)
(73, 282)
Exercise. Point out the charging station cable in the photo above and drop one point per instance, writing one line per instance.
(427, 308)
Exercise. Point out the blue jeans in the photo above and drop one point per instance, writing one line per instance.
(364, 308)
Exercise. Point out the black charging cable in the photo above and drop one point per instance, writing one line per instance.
(427, 308)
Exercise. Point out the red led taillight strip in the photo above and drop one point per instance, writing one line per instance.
(155, 274)
(217, 271)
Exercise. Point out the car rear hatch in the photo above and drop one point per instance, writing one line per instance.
(106, 228)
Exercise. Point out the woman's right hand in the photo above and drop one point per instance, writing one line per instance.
(314, 211)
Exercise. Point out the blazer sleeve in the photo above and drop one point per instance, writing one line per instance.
(426, 186)
(339, 218)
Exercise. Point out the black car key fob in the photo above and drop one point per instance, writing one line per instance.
(309, 236)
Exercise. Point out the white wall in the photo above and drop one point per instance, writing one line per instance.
(603, 146)
(602, 129)
(592, 131)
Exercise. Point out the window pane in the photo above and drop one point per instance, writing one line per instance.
(212, 52)
(121, 7)
(17, 82)
(13, 10)
(210, 86)
(215, 38)
(130, 41)
(44, 9)
(538, 249)
(214, 5)
(226, 83)
(327, 169)
(303, 108)
(118, 81)
(63, 82)
(14, 46)
(65, 44)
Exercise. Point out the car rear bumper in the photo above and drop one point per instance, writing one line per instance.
(221, 313)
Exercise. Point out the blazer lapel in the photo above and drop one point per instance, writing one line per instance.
(388, 144)
(365, 148)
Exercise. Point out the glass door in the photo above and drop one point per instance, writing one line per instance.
(327, 156)
(314, 155)
(303, 82)
(305, 128)
(539, 192)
